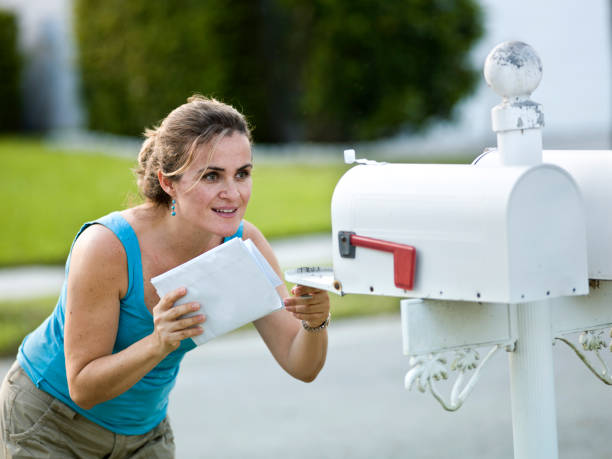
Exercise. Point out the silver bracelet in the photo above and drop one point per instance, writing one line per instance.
(310, 329)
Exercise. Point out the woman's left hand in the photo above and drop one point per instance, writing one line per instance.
(308, 304)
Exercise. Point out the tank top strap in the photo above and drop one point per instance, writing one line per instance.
(126, 235)
(237, 234)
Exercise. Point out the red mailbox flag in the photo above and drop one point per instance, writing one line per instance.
(404, 256)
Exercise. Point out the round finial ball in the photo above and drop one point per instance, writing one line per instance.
(513, 69)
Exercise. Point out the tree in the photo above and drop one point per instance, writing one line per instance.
(10, 67)
(320, 70)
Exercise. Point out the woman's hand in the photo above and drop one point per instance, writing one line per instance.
(308, 304)
(170, 325)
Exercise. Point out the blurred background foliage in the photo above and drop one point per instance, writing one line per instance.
(10, 74)
(302, 70)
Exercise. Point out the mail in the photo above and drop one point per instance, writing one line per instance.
(233, 283)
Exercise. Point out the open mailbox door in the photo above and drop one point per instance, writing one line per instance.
(316, 277)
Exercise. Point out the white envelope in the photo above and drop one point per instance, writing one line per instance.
(233, 283)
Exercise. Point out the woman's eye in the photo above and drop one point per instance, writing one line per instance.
(210, 177)
(243, 174)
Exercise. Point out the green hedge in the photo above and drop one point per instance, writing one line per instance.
(376, 66)
(320, 70)
(10, 66)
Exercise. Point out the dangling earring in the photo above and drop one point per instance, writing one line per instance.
(173, 213)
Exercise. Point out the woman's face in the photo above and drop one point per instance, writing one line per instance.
(216, 203)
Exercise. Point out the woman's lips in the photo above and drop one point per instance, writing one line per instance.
(225, 212)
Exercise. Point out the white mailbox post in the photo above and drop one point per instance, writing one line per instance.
(499, 253)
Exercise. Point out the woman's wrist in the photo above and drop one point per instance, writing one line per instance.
(317, 327)
(156, 349)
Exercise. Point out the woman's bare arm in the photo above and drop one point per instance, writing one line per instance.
(301, 353)
(97, 280)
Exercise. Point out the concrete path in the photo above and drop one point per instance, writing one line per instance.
(233, 401)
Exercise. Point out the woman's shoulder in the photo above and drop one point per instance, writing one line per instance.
(100, 242)
(98, 262)
(250, 231)
(253, 233)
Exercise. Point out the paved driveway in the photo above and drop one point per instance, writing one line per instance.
(233, 401)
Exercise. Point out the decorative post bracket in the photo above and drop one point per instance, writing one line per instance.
(427, 369)
(590, 315)
(432, 328)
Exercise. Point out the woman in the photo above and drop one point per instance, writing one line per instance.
(93, 380)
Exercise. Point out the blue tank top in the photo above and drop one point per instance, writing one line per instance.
(144, 405)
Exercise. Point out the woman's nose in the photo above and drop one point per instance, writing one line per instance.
(229, 191)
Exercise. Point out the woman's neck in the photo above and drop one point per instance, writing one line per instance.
(170, 236)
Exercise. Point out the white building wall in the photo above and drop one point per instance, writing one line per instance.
(574, 42)
(49, 81)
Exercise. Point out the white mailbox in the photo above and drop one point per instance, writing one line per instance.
(592, 171)
(459, 232)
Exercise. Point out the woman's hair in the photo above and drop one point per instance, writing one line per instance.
(172, 146)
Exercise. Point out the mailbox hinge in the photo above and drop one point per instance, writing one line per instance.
(404, 256)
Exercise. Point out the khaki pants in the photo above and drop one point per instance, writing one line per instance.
(34, 424)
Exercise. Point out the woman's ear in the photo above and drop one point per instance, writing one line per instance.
(166, 184)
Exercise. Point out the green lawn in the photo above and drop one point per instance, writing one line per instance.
(50, 194)
(18, 318)
(290, 199)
